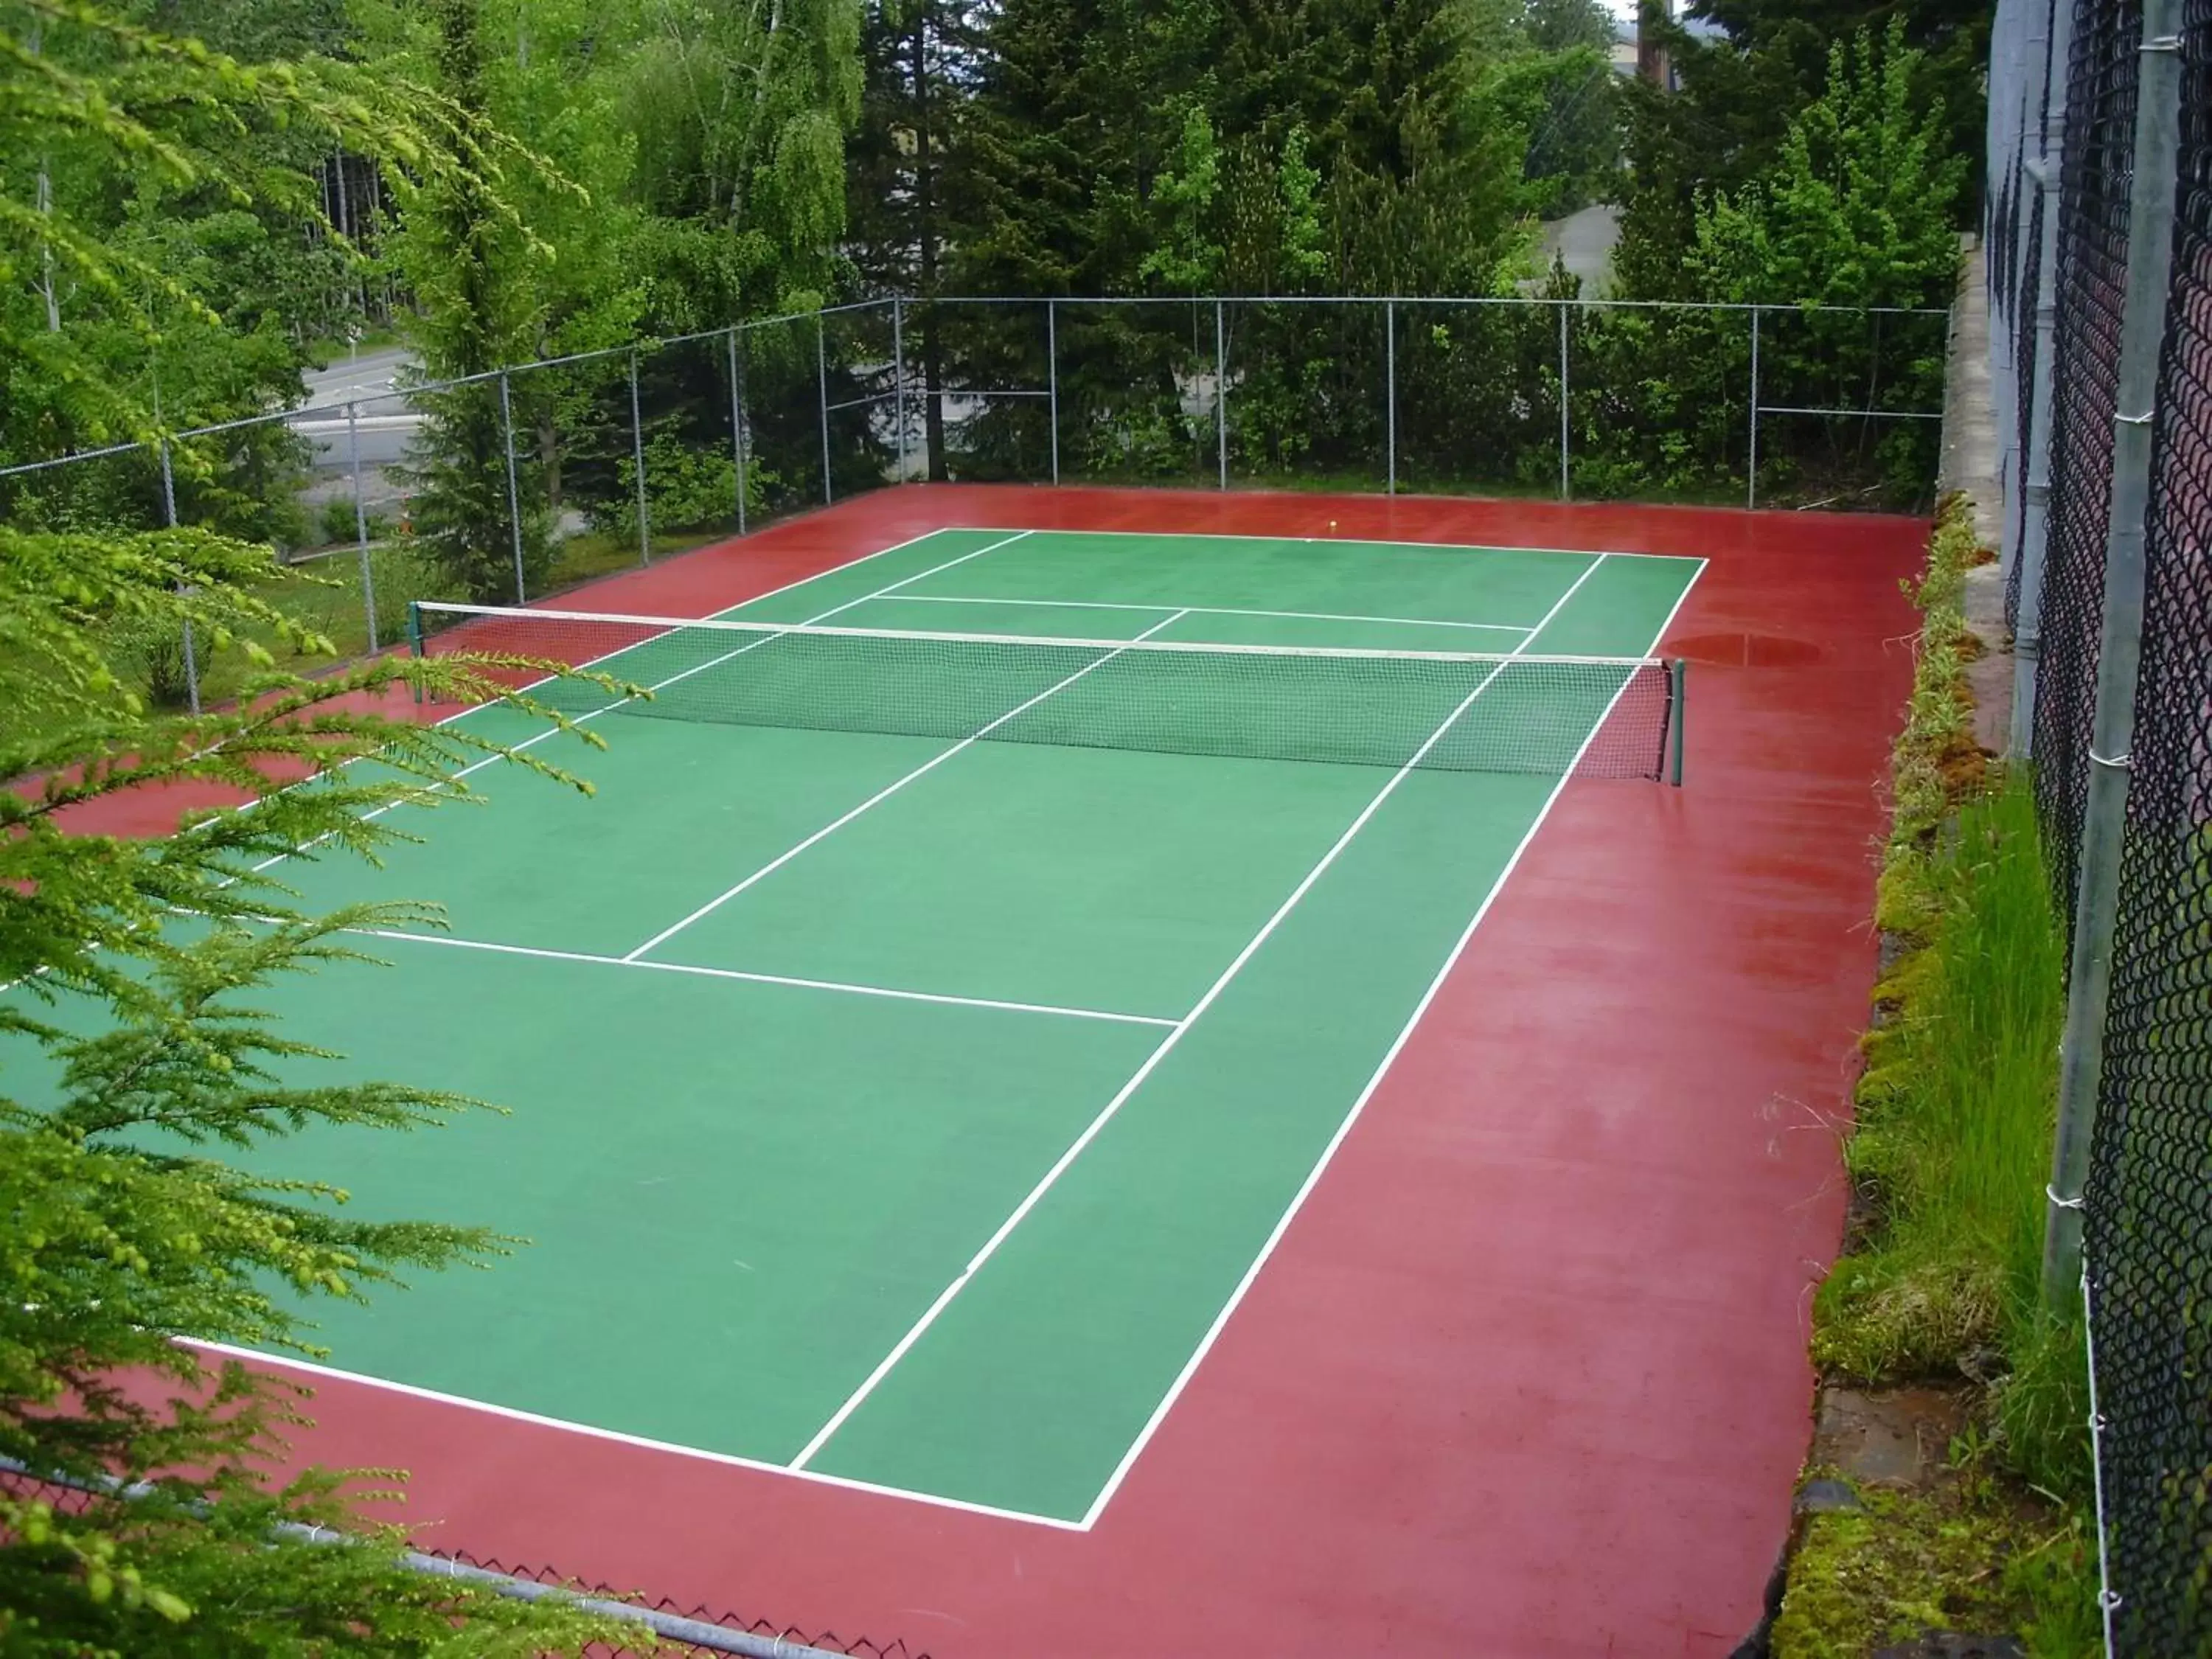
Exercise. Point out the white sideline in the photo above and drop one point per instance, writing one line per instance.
(888, 791)
(750, 978)
(1359, 1103)
(1106, 1114)
(1208, 610)
(528, 743)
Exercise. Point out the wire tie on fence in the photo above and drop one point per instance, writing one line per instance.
(2097, 1421)
(2109, 1599)
(2123, 762)
(2143, 419)
(2075, 1203)
(2163, 43)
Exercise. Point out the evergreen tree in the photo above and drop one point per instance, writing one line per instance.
(131, 1054)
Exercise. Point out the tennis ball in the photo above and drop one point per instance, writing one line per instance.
(1332, 524)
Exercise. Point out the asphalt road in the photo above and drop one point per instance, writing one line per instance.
(386, 423)
(1585, 241)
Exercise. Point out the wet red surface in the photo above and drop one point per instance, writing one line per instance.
(1526, 1375)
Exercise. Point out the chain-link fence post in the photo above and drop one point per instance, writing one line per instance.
(637, 460)
(822, 386)
(2035, 493)
(1751, 472)
(1390, 395)
(360, 523)
(898, 379)
(513, 491)
(737, 421)
(169, 517)
(1221, 394)
(1564, 491)
(1052, 377)
(2143, 333)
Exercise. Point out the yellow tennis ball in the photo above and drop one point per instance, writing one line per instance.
(1332, 524)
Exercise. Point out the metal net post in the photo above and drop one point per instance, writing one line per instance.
(1052, 377)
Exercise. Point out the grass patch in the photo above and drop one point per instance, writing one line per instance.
(1955, 1107)
(1963, 1555)
(1949, 1158)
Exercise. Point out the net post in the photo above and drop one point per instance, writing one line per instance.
(1220, 395)
(1678, 687)
(169, 517)
(1052, 376)
(822, 384)
(360, 523)
(2103, 818)
(514, 492)
(415, 639)
(1751, 474)
(1390, 392)
(1564, 494)
(737, 423)
(637, 459)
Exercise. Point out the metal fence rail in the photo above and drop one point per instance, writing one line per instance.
(517, 483)
(2105, 362)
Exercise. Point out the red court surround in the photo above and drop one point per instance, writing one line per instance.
(1526, 1376)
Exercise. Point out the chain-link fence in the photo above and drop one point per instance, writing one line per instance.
(2107, 540)
(665, 1628)
(511, 486)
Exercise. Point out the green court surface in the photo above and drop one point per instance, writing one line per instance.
(906, 1111)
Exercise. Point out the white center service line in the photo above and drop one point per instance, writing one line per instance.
(1181, 1028)
(889, 790)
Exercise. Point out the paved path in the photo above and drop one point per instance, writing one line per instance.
(1585, 240)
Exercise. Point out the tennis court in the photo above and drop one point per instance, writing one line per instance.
(925, 1035)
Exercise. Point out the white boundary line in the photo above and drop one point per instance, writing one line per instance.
(1359, 1103)
(1204, 611)
(462, 715)
(1354, 541)
(1106, 1114)
(749, 978)
(729, 1459)
(888, 791)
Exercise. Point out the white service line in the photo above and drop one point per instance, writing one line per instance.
(1152, 1063)
(531, 742)
(842, 986)
(1210, 610)
(1359, 1105)
(1092, 1131)
(889, 790)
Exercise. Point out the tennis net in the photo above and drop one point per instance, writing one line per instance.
(1445, 711)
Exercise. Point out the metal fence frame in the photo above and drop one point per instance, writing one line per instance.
(906, 393)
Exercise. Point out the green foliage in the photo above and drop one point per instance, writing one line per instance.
(134, 1057)
(1956, 1106)
(1858, 208)
(1739, 91)
(1967, 1555)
